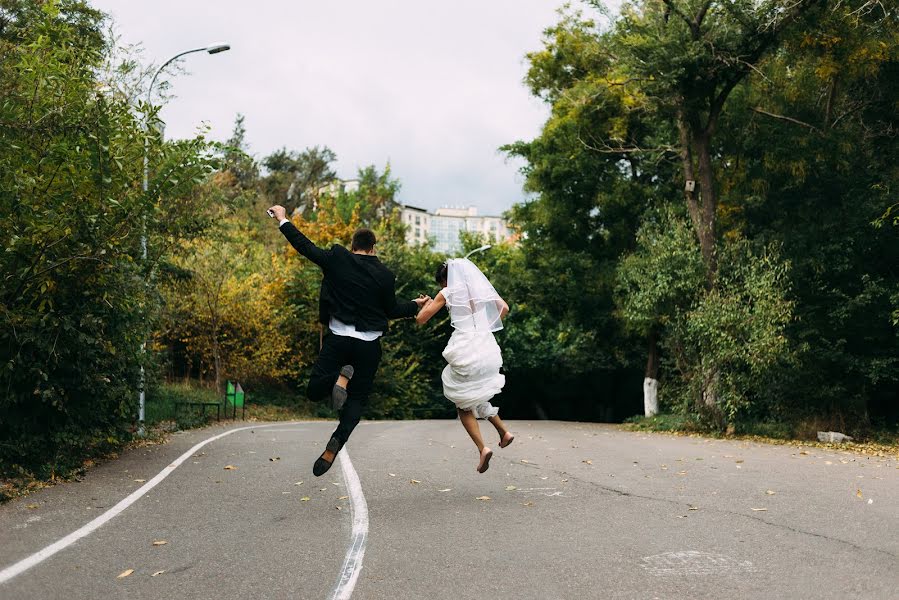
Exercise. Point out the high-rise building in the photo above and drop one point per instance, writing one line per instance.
(444, 226)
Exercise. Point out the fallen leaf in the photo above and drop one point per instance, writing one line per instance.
(140, 480)
(827, 462)
(342, 497)
(160, 543)
(483, 498)
(870, 500)
(31, 506)
(759, 509)
(681, 472)
(804, 453)
(693, 508)
(338, 508)
(299, 483)
(335, 483)
(588, 462)
(445, 490)
(305, 499)
(858, 494)
(528, 504)
(544, 478)
(392, 474)
(770, 492)
(322, 489)
(525, 462)
(275, 458)
(681, 516)
(230, 468)
(414, 481)
(157, 573)
(125, 574)
(739, 461)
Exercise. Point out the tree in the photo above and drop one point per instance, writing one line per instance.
(74, 302)
(294, 179)
(375, 198)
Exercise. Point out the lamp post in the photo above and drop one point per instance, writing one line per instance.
(211, 49)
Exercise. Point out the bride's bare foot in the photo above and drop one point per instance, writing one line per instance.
(506, 439)
(484, 463)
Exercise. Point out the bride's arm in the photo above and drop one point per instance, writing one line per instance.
(503, 309)
(430, 309)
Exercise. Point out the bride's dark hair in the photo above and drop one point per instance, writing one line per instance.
(442, 274)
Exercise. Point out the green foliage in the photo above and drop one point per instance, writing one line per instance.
(733, 338)
(74, 305)
(663, 276)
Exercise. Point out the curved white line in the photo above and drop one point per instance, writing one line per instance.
(352, 564)
(42, 555)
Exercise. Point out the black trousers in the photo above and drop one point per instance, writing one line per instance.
(336, 352)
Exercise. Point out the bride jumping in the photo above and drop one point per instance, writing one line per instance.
(471, 377)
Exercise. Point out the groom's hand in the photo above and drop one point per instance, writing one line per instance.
(279, 211)
(422, 300)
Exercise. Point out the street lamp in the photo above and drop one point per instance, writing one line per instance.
(481, 249)
(211, 49)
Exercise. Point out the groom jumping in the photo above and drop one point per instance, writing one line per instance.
(361, 298)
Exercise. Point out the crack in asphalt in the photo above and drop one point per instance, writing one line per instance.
(624, 493)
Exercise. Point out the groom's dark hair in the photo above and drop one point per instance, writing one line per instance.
(364, 240)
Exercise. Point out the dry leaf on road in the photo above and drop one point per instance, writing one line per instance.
(392, 474)
(770, 492)
(305, 499)
(125, 574)
(414, 481)
(525, 462)
(230, 468)
(31, 506)
(528, 504)
(483, 498)
(858, 494)
(157, 573)
(343, 497)
(275, 458)
(759, 509)
(511, 488)
(160, 543)
(445, 490)
(587, 462)
(140, 480)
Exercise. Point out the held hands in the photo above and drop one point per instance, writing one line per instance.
(279, 212)
(422, 300)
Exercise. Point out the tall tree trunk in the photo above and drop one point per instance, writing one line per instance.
(708, 219)
(651, 380)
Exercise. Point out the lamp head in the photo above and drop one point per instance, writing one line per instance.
(216, 48)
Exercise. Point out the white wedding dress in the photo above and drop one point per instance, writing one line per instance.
(472, 378)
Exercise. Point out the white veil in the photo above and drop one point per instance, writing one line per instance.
(472, 301)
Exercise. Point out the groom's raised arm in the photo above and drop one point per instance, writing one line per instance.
(304, 245)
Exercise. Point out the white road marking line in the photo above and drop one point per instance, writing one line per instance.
(352, 564)
(42, 555)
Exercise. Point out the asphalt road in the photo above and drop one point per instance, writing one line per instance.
(575, 511)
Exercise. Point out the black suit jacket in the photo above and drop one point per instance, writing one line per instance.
(359, 290)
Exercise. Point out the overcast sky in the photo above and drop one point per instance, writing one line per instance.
(433, 87)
